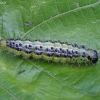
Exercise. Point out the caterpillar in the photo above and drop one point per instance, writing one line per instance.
(50, 51)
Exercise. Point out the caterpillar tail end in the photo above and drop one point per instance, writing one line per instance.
(2, 43)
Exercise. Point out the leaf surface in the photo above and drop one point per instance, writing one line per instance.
(74, 21)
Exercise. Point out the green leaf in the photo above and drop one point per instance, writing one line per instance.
(75, 21)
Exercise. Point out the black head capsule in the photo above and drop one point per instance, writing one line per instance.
(95, 57)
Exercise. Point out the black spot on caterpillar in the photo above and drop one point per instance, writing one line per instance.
(50, 51)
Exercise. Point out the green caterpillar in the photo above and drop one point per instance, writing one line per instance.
(50, 51)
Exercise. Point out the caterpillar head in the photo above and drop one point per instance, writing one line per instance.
(93, 56)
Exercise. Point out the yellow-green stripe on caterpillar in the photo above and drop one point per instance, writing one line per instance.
(50, 51)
